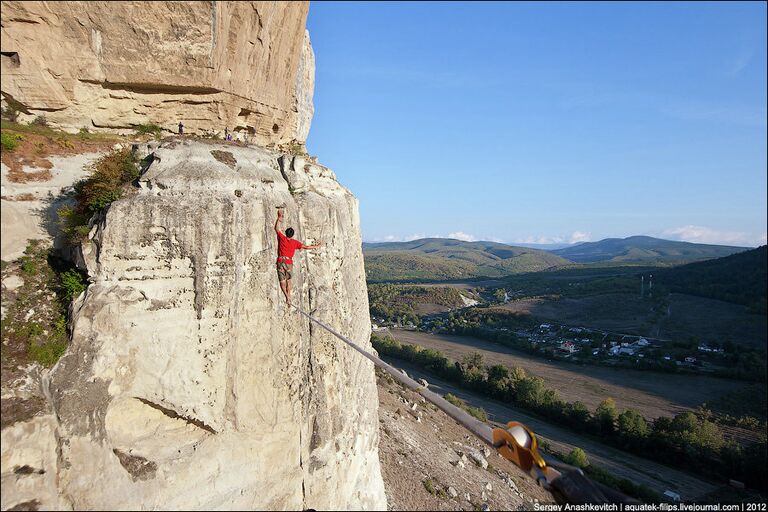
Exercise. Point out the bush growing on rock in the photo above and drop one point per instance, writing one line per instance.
(577, 458)
(9, 141)
(35, 324)
(106, 184)
(40, 121)
(148, 129)
(72, 283)
(74, 225)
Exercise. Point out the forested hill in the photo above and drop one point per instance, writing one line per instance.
(434, 259)
(739, 278)
(644, 250)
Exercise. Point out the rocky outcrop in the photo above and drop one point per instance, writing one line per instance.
(305, 89)
(188, 383)
(102, 65)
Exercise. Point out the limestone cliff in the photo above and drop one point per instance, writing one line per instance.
(188, 384)
(247, 66)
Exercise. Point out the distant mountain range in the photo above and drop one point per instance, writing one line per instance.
(439, 259)
(644, 250)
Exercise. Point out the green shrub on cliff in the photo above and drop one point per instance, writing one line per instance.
(104, 186)
(9, 141)
(72, 283)
(149, 129)
(34, 326)
(73, 224)
(107, 183)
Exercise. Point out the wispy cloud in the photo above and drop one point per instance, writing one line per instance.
(705, 235)
(395, 238)
(539, 240)
(460, 235)
(740, 61)
(580, 236)
(701, 111)
(575, 237)
(587, 95)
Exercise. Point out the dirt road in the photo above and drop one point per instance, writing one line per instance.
(656, 476)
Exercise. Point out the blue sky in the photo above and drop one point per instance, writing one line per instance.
(545, 122)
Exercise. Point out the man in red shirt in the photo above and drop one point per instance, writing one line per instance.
(286, 246)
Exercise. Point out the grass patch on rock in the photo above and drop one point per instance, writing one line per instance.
(30, 146)
(35, 325)
(149, 129)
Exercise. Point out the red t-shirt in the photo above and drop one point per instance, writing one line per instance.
(286, 247)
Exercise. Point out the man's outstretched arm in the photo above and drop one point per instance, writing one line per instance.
(314, 246)
(279, 219)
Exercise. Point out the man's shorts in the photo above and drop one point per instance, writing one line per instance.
(283, 271)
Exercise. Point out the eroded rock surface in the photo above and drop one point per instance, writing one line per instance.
(188, 383)
(29, 209)
(246, 66)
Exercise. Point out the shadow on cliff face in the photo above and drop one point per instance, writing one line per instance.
(48, 213)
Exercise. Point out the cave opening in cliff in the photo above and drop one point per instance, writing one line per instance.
(13, 57)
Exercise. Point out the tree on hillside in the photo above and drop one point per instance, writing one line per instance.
(499, 294)
(517, 374)
(474, 360)
(606, 415)
(577, 457)
(579, 414)
(498, 372)
(633, 427)
(530, 391)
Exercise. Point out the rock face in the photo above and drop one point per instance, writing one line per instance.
(29, 209)
(246, 66)
(188, 383)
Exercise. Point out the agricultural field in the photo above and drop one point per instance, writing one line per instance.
(653, 394)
